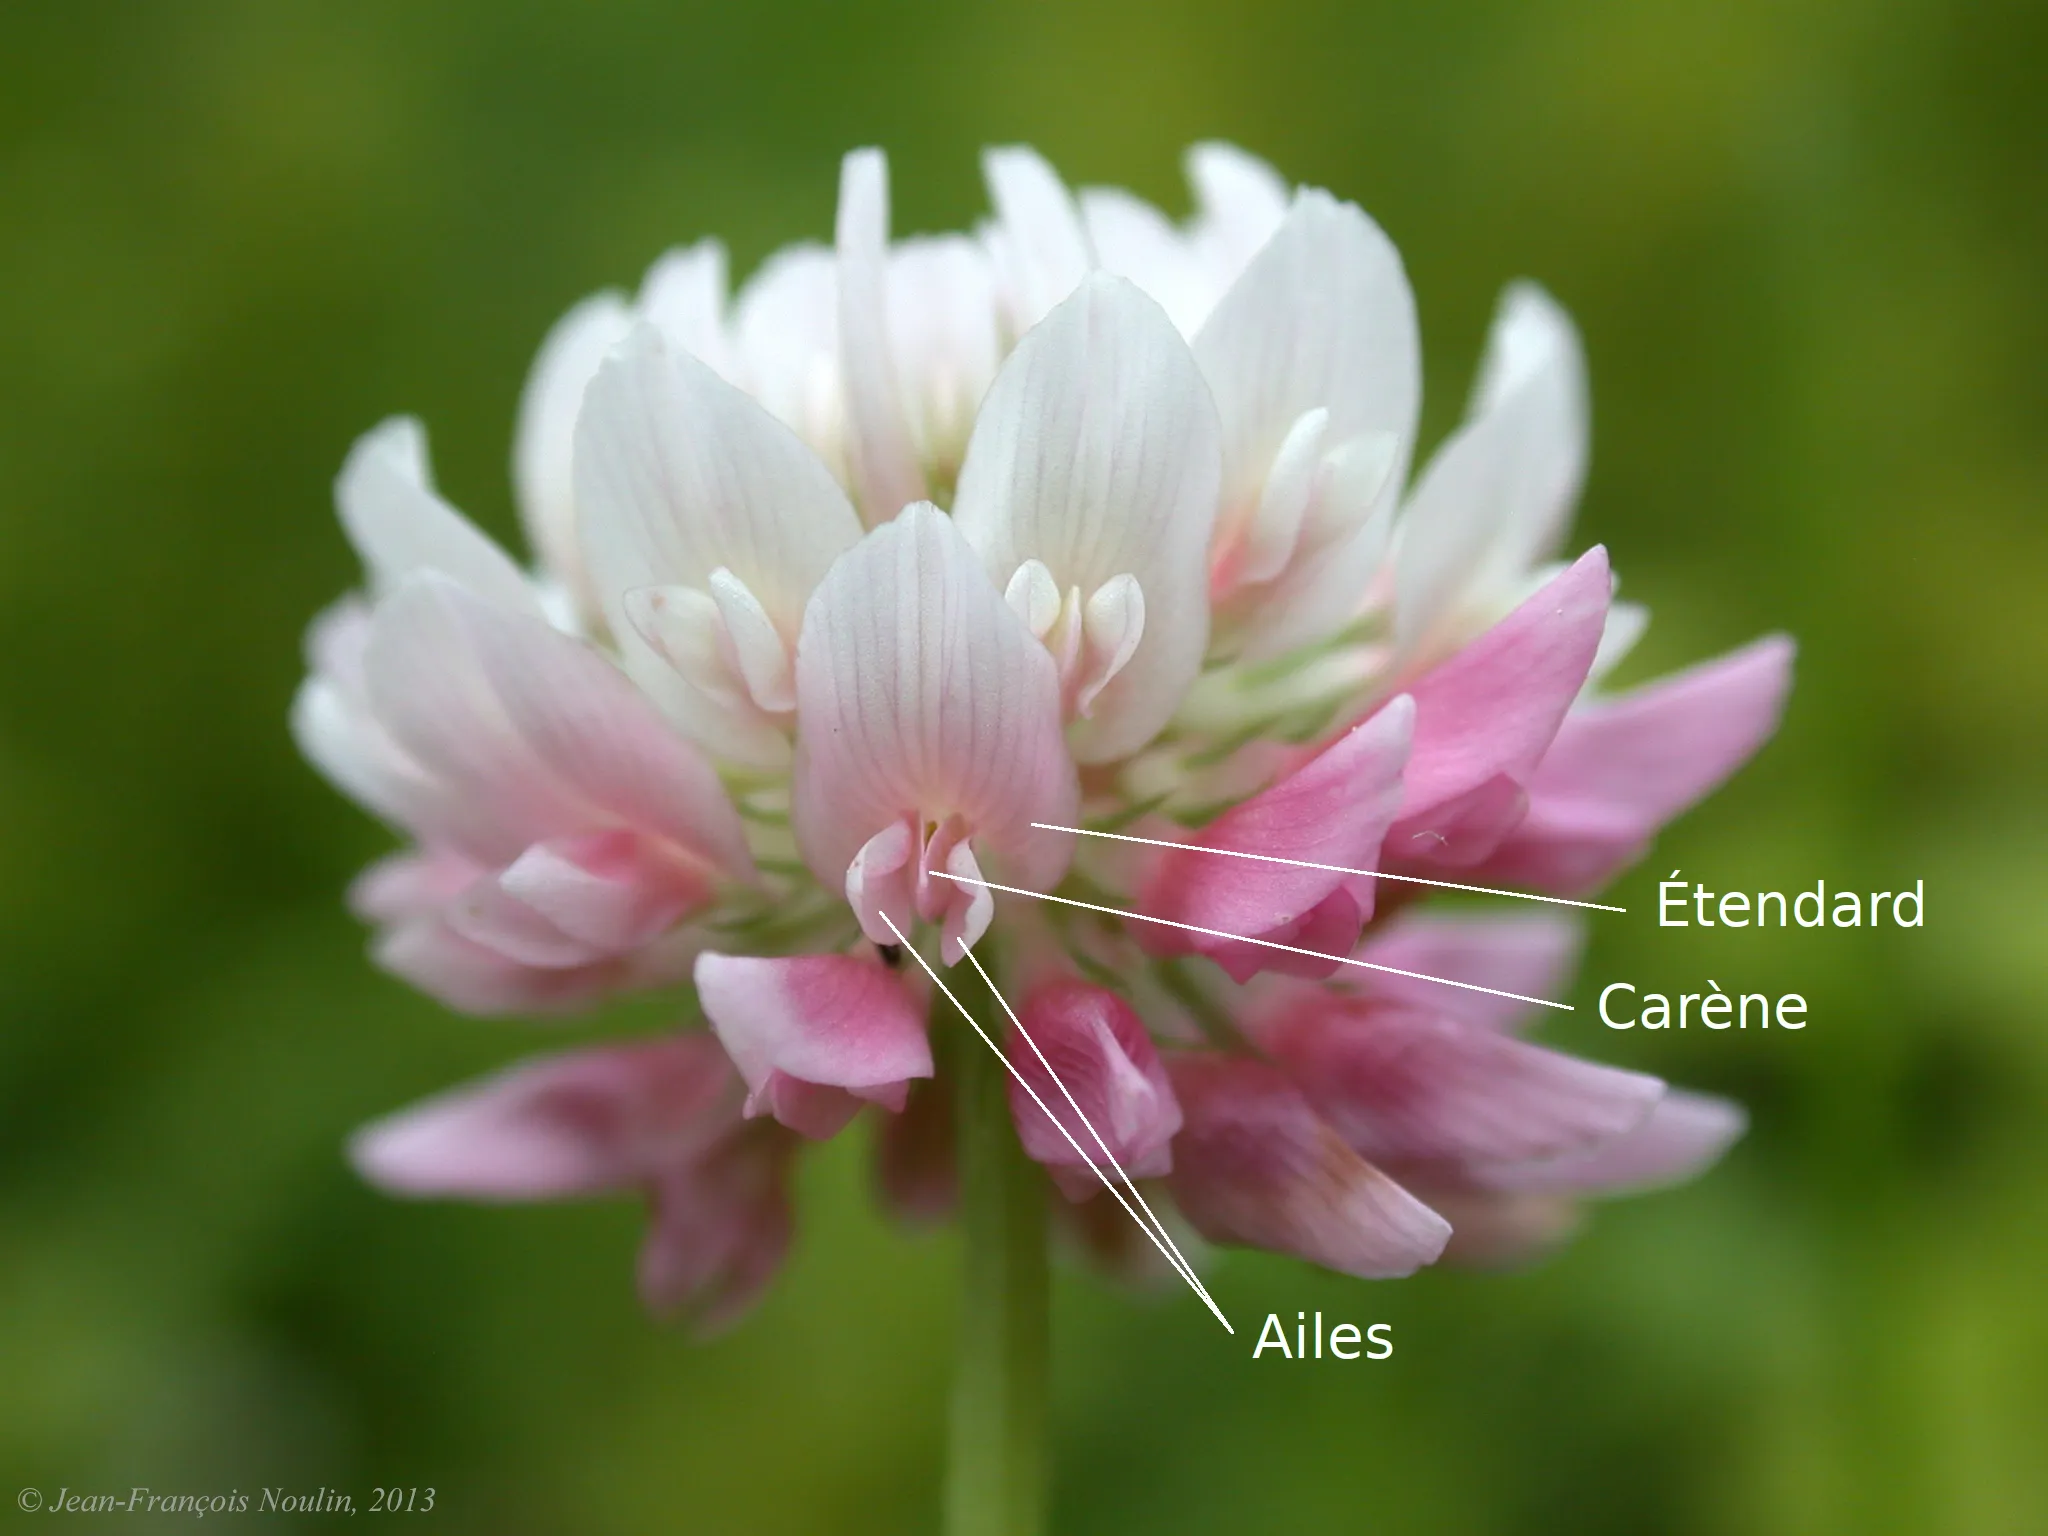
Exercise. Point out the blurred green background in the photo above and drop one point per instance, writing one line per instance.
(1807, 241)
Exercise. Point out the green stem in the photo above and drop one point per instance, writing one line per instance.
(996, 1474)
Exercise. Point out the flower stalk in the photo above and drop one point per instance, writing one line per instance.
(996, 1459)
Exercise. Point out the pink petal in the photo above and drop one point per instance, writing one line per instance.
(1099, 1053)
(721, 1227)
(488, 915)
(1684, 1135)
(575, 901)
(1490, 1231)
(1328, 929)
(416, 883)
(1622, 767)
(613, 891)
(584, 1122)
(1102, 1233)
(1461, 831)
(430, 954)
(921, 696)
(916, 1170)
(815, 1022)
(1490, 712)
(1253, 1164)
(459, 973)
(814, 1110)
(1333, 810)
(1530, 953)
(886, 474)
(1405, 1086)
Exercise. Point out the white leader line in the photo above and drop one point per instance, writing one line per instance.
(1157, 1230)
(1338, 869)
(1313, 954)
(1171, 1254)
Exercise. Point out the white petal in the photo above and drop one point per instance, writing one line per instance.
(1135, 240)
(331, 719)
(881, 457)
(881, 880)
(760, 654)
(787, 323)
(1495, 498)
(545, 440)
(683, 295)
(1096, 453)
(399, 526)
(966, 920)
(678, 473)
(687, 631)
(1112, 628)
(920, 694)
(1322, 317)
(1343, 541)
(944, 332)
(1240, 200)
(1034, 597)
(1534, 346)
(1284, 503)
(1043, 247)
(347, 745)
(1624, 627)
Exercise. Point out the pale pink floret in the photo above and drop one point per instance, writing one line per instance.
(1334, 810)
(660, 1118)
(565, 829)
(1098, 1049)
(815, 1036)
(1684, 1134)
(1508, 1212)
(1531, 953)
(1254, 1164)
(1403, 1084)
(929, 734)
(1621, 767)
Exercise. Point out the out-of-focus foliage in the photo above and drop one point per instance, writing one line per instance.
(1808, 243)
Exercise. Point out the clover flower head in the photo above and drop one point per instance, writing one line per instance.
(856, 593)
